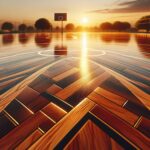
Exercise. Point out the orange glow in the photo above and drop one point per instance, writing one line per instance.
(84, 58)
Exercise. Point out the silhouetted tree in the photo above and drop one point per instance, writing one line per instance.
(7, 26)
(79, 28)
(22, 28)
(117, 26)
(30, 29)
(106, 26)
(126, 26)
(144, 23)
(121, 26)
(57, 29)
(43, 25)
(70, 27)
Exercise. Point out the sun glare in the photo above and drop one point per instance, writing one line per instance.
(85, 20)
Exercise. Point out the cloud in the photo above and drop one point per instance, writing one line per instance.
(132, 6)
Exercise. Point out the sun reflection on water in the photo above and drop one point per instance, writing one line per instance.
(84, 66)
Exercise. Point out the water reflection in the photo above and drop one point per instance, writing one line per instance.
(63, 45)
(115, 37)
(84, 58)
(107, 38)
(69, 36)
(60, 50)
(143, 42)
(23, 38)
(43, 40)
(7, 39)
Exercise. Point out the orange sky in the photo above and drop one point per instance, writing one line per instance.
(28, 11)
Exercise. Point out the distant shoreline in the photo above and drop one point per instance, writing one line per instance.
(16, 32)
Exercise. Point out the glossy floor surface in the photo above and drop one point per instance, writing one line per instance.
(79, 91)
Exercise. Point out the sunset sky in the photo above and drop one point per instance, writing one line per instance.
(95, 11)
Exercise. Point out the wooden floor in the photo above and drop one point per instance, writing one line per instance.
(61, 105)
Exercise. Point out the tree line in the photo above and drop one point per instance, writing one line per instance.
(43, 24)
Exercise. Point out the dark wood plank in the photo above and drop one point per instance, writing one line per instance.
(65, 74)
(111, 96)
(84, 91)
(58, 132)
(144, 126)
(11, 140)
(18, 111)
(113, 108)
(90, 137)
(5, 125)
(37, 104)
(54, 111)
(25, 98)
(72, 88)
(124, 129)
(41, 84)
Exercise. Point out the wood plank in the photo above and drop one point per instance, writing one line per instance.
(18, 111)
(115, 145)
(37, 104)
(68, 91)
(29, 140)
(84, 91)
(58, 132)
(144, 126)
(113, 108)
(38, 120)
(11, 94)
(111, 96)
(69, 80)
(118, 125)
(55, 71)
(90, 137)
(65, 74)
(5, 125)
(143, 98)
(142, 76)
(54, 112)
(53, 89)
(41, 84)
(136, 109)
(7, 82)
(26, 98)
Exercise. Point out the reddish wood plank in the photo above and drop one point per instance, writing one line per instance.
(11, 140)
(111, 96)
(90, 137)
(144, 126)
(54, 111)
(29, 140)
(58, 132)
(54, 89)
(117, 124)
(68, 91)
(65, 74)
(113, 108)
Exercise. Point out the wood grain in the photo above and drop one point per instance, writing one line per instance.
(58, 132)
(111, 96)
(29, 140)
(89, 137)
(124, 129)
(11, 94)
(113, 108)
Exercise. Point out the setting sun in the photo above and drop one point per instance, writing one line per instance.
(85, 20)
